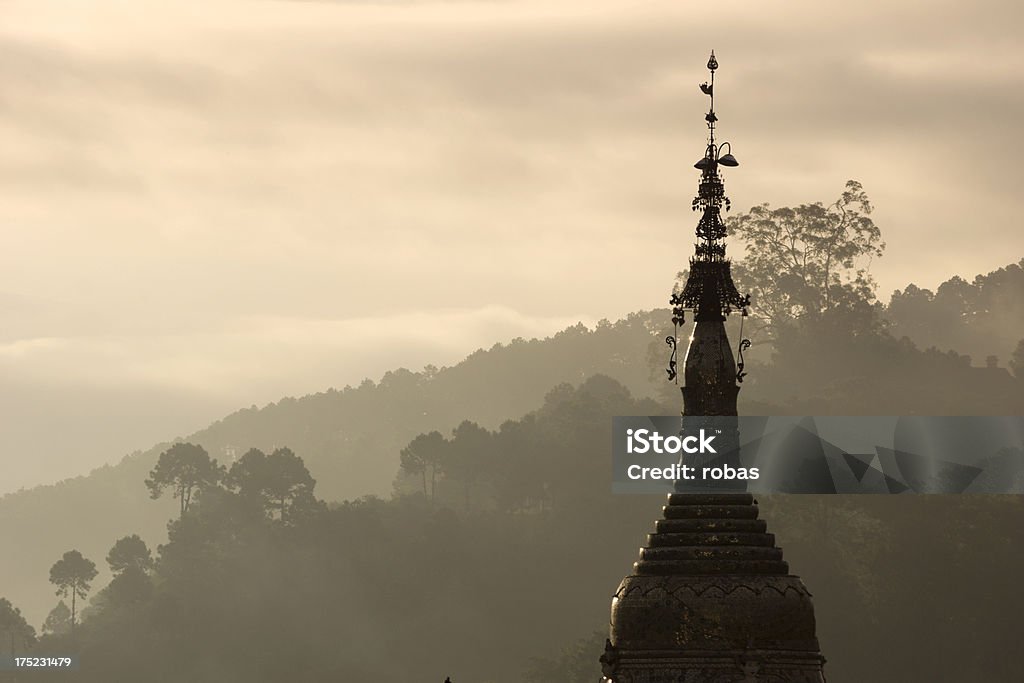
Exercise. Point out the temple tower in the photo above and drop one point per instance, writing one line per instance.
(710, 599)
(710, 371)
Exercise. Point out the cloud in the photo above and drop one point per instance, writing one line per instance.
(75, 402)
(184, 179)
(275, 351)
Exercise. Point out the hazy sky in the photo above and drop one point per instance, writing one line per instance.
(211, 204)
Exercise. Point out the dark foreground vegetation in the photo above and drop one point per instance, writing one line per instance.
(484, 586)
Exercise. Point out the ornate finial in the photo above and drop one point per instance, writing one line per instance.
(709, 290)
(709, 90)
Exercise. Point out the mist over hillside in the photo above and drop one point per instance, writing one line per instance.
(349, 439)
(982, 318)
(518, 551)
(844, 363)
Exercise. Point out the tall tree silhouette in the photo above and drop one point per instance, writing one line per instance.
(278, 483)
(72, 574)
(186, 468)
(468, 456)
(424, 453)
(809, 259)
(130, 560)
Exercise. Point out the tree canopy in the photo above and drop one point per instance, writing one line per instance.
(72, 574)
(237, 597)
(807, 260)
(15, 631)
(129, 552)
(980, 318)
(1017, 360)
(58, 621)
(186, 469)
(278, 483)
(424, 453)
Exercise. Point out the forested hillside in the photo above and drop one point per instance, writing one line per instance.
(490, 586)
(349, 438)
(981, 318)
(838, 361)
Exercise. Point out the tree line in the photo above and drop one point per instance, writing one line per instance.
(275, 486)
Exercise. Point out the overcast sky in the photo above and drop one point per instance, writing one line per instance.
(211, 204)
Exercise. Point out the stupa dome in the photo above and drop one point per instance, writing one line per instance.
(711, 599)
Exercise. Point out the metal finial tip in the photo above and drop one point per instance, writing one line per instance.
(712, 62)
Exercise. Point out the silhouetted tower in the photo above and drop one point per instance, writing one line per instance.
(710, 373)
(711, 600)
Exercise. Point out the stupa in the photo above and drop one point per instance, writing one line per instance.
(710, 599)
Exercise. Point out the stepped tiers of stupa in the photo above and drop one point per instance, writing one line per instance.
(712, 601)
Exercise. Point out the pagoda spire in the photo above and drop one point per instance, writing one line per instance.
(710, 597)
(710, 371)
